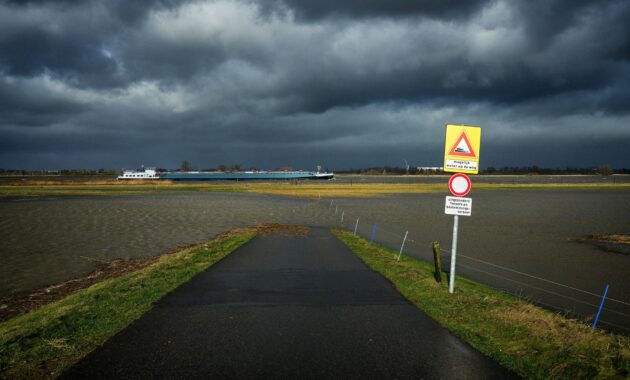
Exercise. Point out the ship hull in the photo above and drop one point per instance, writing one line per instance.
(244, 176)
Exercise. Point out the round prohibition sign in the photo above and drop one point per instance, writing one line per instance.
(459, 185)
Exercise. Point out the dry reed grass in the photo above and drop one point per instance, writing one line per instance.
(581, 347)
(312, 190)
(615, 238)
(85, 182)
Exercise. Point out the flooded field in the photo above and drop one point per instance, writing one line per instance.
(45, 241)
(503, 179)
(519, 241)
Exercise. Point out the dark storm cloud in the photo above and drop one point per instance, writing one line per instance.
(29, 105)
(212, 81)
(58, 40)
(127, 11)
(148, 57)
(545, 19)
(34, 51)
(316, 10)
(74, 40)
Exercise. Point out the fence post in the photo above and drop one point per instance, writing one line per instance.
(601, 306)
(402, 246)
(437, 261)
(356, 225)
(373, 233)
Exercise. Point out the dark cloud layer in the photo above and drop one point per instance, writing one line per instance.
(284, 82)
(317, 10)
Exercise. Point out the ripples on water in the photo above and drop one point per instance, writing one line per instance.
(43, 240)
(506, 179)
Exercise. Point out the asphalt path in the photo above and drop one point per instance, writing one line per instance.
(287, 306)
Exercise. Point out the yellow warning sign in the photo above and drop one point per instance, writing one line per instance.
(461, 149)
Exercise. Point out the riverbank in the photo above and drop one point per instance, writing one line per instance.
(535, 343)
(42, 343)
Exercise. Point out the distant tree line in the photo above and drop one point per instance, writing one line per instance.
(384, 170)
(187, 166)
(533, 170)
(506, 170)
(61, 172)
(378, 170)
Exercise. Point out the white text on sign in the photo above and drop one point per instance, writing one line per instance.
(458, 206)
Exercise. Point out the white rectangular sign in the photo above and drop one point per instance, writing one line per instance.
(458, 206)
(459, 165)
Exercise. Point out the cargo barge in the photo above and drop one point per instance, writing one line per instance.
(151, 174)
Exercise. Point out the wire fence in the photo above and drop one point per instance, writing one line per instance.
(567, 299)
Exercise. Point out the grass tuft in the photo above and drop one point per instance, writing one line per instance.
(533, 342)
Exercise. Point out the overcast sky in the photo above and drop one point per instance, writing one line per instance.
(341, 83)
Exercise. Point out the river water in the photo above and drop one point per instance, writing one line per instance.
(518, 241)
(522, 242)
(48, 240)
(499, 179)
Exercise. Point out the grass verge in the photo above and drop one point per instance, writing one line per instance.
(533, 342)
(44, 342)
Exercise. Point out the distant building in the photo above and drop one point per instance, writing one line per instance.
(429, 169)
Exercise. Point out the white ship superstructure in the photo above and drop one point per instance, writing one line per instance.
(142, 173)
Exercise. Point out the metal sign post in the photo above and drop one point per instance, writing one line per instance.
(461, 155)
(451, 282)
(459, 185)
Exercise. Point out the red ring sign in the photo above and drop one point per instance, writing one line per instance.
(459, 185)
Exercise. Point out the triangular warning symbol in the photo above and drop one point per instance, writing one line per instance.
(462, 147)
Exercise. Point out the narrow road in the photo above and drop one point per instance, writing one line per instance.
(287, 306)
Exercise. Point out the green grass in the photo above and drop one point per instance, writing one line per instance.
(534, 342)
(42, 343)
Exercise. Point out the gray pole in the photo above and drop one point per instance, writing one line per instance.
(402, 246)
(342, 214)
(451, 283)
(355, 227)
